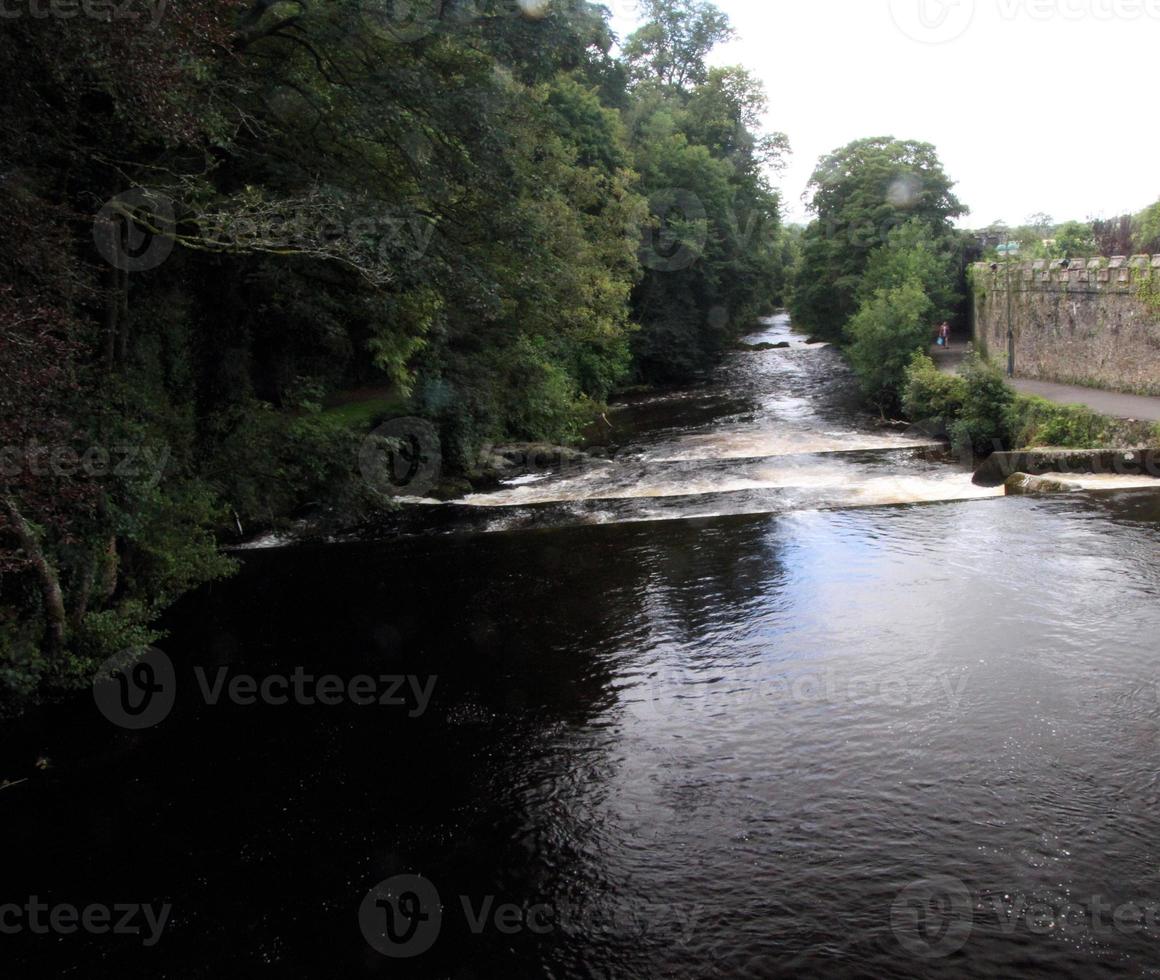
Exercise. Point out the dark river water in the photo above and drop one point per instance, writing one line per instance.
(765, 692)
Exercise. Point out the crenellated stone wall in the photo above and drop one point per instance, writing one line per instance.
(1093, 322)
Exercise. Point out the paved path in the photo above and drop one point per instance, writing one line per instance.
(948, 360)
(1111, 403)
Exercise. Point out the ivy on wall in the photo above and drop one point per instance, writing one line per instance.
(1147, 286)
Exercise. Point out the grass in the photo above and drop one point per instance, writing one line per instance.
(366, 413)
(1036, 422)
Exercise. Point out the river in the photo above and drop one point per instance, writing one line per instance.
(764, 691)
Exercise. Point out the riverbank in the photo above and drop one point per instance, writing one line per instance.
(960, 394)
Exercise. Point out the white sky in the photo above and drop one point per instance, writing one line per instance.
(1034, 105)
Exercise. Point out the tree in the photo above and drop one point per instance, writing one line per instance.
(888, 330)
(671, 46)
(712, 253)
(475, 214)
(1146, 230)
(983, 426)
(1040, 223)
(913, 254)
(861, 193)
(1114, 236)
(1074, 239)
(932, 397)
(726, 114)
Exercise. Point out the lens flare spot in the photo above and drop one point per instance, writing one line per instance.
(905, 191)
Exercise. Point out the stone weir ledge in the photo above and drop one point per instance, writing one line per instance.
(998, 468)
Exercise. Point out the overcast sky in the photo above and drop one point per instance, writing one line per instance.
(1034, 105)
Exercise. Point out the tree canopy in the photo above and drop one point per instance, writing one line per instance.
(861, 193)
(242, 237)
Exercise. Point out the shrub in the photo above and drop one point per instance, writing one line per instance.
(1038, 422)
(931, 396)
(265, 464)
(984, 425)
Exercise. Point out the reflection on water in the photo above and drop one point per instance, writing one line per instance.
(708, 747)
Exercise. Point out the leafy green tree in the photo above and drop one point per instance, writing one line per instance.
(368, 209)
(671, 46)
(1146, 230)
(1040, 223)
(861, 193)
(912, 253)
(884, 335)
(726, 114)
(1074, 239)
(712, 252)
(932, 397)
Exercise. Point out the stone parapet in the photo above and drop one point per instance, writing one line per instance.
(1119, 273)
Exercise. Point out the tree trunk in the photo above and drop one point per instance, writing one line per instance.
(110, 569)
(84, 589)
(54, 612)
(122, 301)
(112, 302)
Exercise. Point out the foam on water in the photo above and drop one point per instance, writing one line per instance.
(776, 430)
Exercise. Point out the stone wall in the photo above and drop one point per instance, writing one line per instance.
(1094, 322)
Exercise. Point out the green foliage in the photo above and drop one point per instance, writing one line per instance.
(861, 194)
(981, 413)
(23, 665)
(672, 44)
(932, 397)
(364, 414)
(544, 402)
(713, 256)
(983, 426)
(267, 463)
(885, 334)
(1074, 239)
(1043, 238)
(912, 254)
(1146, 230)
(451, 222)
(1148, 288)
(103, 635)
(1035, 421)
